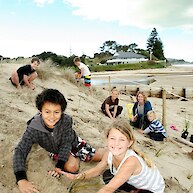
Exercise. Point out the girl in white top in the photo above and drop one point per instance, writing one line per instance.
(130, 170)
(85, 73)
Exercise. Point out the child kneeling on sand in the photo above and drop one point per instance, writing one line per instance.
(52, 129)
(155, 130)
(129, 169)
(25, 75)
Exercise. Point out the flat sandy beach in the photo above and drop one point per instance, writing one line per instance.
(17, 107)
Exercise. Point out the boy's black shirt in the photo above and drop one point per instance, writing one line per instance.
(24, 70)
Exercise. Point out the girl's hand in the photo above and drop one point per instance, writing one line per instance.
(27, 187)
(105, 190)
(74, 176)
(69, 175)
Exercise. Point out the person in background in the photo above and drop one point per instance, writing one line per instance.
(25, 75)
(52, 129)
(155, 130)
(129, 170)
(141, 107)
(84, 73)
(110, 106)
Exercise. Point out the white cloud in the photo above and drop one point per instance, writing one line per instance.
(138, 13)
(41, 3)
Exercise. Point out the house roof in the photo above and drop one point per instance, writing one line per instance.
(128, 55)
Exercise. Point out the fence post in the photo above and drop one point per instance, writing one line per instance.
(109, 84)
(184, 94)
(164, 108)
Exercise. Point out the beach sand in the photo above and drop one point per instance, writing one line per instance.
(17, 107)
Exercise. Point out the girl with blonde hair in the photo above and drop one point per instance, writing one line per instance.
(130, 170)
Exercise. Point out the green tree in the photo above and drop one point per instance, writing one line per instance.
(109, 46)
(132, 47)
(122, 48)
(155, 45)
(158, 50)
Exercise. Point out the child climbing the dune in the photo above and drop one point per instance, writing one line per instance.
(129, 170)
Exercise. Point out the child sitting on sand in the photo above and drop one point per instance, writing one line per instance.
(110, 106)
(129, 169)
(25, 75)
(52, 129)
(155, 130)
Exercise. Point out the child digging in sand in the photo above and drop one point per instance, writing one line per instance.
(155, 130)
(25, 75)
(129, 170)
(52, 129)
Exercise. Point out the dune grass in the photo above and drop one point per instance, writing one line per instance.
(68, 74)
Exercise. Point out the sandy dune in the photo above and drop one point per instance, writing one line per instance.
(18, 107)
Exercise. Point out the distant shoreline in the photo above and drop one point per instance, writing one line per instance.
(183, 65)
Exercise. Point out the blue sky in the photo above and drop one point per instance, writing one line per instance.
(30, 27)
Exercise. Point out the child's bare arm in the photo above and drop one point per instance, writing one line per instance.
(82, 72)
(93, 172)
(125, 172)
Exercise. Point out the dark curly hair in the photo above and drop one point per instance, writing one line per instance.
(52, 96)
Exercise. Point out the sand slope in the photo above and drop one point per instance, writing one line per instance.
(18, 107)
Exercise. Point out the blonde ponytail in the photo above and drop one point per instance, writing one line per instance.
(147, 160)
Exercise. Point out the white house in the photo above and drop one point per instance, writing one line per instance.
(126, 57)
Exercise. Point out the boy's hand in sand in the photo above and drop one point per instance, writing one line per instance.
(27, 187)
(55, 173)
